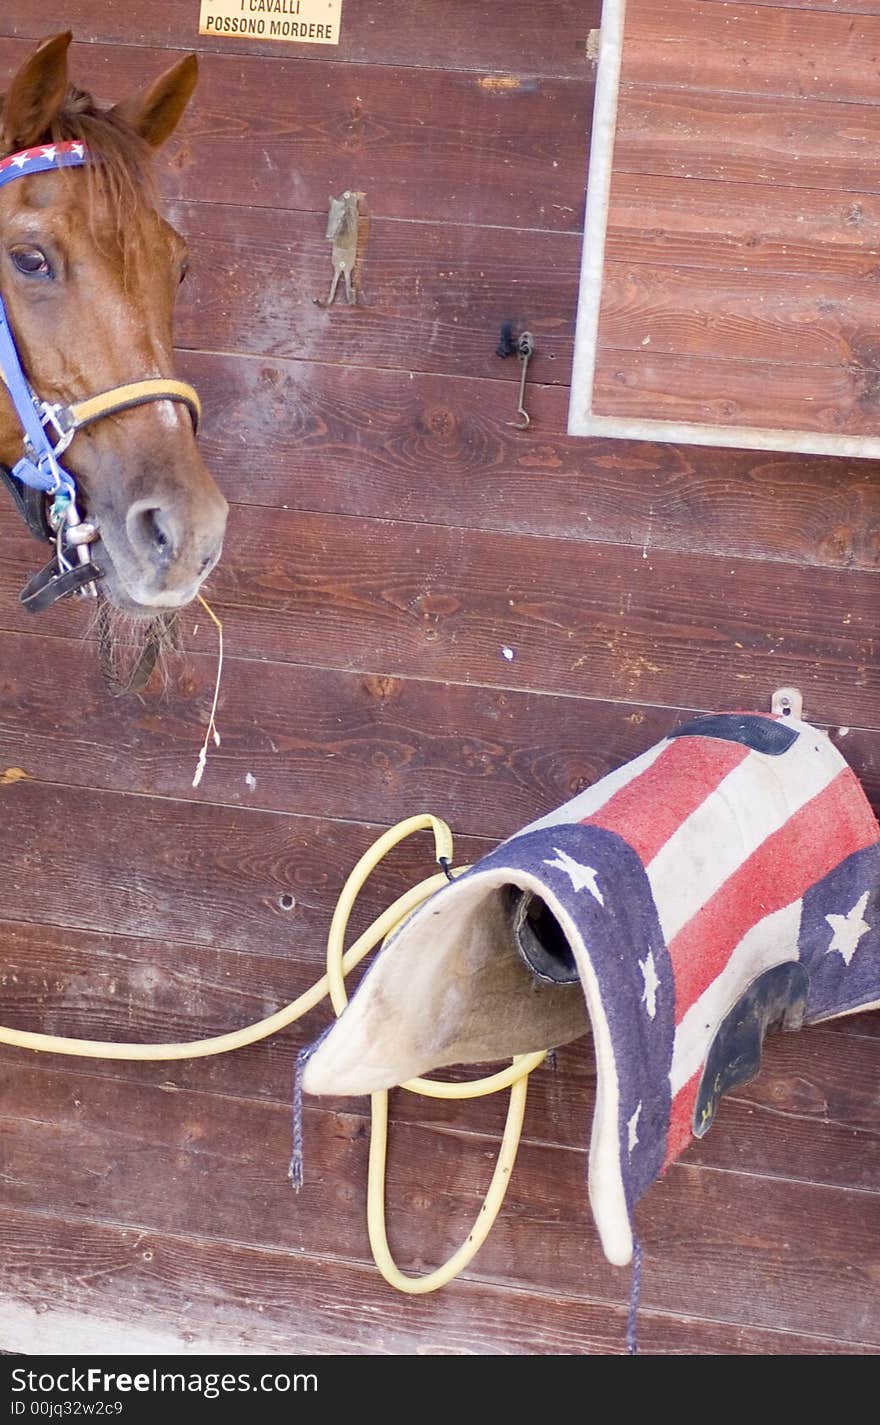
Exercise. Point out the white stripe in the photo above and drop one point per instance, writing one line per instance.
(754, 800)
(588, 802)
(773, 941)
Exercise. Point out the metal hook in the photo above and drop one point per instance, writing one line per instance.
(525, 348)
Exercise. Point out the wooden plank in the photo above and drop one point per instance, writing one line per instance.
(772, 1244)
(753, 49)
(448, 148)
(767, 319)
(632, 625)
(731, 391)
(464, 36)
(743, 139)
(72, 1287)
(472, 467)
(863, 1024)
(199, 875)
(758, 228)
(434, 296)
(147, 989)
(360, 747)
(647, 627)
(811, 1114)
(320, 742)
(835, 7)
(177, 1165)
(441, 451)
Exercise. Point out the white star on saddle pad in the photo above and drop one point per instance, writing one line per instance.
(849, 929)
(632, 1128)
(652, 984)
(583, 878)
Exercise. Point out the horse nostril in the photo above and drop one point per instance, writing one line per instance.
(174, 542)
(151, 532)
(211, 557)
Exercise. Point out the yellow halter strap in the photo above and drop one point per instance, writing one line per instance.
(67, 420)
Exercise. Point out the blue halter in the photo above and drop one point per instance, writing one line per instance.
(38, 467)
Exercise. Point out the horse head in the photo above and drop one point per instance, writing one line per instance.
(89, 272)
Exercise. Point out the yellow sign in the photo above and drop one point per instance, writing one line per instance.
(312, 22)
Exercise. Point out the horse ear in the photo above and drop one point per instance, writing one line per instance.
(156, 112)
(36, 94)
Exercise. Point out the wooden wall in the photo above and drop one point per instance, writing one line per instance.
(390, 535)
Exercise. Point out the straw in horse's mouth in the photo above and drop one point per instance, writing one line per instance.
(135, 642)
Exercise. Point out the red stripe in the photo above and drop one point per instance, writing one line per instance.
(835, 823)
(649, 809)
(681, 1119)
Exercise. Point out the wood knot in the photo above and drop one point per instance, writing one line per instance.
(436, 605)
(837, 546)
(382, 687)
(442, 424)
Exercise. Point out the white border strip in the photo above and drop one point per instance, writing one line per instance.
(596, 219)
(802, 442)
(581, 419)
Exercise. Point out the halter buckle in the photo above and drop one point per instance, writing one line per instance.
(63, 421)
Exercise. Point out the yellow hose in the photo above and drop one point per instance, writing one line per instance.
(515, 1077)
(339, 963)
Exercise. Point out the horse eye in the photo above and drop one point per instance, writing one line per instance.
(32, 261)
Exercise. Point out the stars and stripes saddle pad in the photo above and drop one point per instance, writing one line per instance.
(725, 881)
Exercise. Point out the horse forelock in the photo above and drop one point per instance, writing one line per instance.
(120, 172)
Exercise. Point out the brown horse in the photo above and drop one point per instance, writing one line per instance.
(89, 272)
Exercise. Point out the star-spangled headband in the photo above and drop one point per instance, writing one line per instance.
(71, 154)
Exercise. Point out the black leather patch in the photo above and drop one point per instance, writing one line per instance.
(775, 999)
(761, 734)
